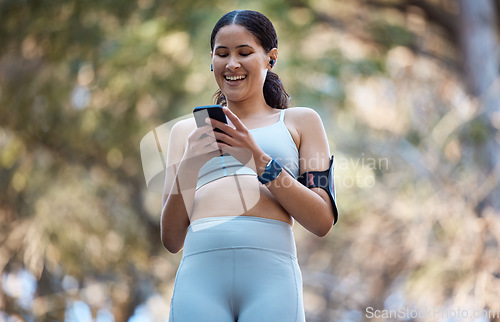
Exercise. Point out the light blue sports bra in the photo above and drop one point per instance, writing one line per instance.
(275, 140)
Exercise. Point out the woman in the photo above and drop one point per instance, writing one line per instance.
(231, 197)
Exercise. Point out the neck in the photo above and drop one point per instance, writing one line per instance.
(249, 108)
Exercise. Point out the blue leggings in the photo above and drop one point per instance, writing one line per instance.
(238, 269)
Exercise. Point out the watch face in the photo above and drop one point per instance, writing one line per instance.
(272, 171)
(268, 165)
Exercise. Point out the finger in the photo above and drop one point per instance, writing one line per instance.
(207, 150)
(234, 119)
(207, 140)
(207, 129)
(227, 149)
(202, 133)
(221, 126)
(201, 130)
(225, 138)
(210, 147)
(223, 146)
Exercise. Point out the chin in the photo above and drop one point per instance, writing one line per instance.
(234, 98)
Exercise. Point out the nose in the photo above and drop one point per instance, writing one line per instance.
(233, 63)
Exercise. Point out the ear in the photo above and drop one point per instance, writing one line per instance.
(211, 55)
(273, 54)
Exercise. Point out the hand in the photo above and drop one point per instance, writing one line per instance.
(201, 147)
(239, 143)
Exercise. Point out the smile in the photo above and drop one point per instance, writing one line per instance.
(235, 78)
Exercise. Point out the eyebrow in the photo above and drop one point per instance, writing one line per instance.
(240, 46)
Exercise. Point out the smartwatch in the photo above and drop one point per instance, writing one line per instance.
(272, 172)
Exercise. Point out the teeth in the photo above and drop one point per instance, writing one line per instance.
(234, 78)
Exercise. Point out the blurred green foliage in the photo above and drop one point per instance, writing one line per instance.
(81, 82)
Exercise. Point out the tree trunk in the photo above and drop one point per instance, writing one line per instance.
(478, 39)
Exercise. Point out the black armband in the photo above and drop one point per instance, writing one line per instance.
(322, 179)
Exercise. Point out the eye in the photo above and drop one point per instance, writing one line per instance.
(245, 53)
(221, 52)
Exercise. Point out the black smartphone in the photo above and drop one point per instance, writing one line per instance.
(212, 111)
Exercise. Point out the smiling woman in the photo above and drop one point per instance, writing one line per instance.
(232, 196)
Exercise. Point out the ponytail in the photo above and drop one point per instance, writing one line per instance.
(274, 93)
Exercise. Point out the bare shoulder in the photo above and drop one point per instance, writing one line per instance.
(301, 112)
(178, 137)
(304, 119)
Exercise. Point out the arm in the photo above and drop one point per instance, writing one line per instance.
(187, 153)
(310, 207)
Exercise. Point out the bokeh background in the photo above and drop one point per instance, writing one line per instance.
(409, 94)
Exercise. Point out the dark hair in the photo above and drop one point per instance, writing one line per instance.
(262, 28)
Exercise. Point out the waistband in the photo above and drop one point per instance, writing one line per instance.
(233, 232)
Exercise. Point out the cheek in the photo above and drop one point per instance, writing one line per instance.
(260, 76)
(259, 70)
(217, 72)
(218, 66)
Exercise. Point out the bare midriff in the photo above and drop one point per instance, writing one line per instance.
(240, 195)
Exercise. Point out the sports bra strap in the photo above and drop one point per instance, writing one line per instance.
(282, 115)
